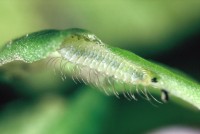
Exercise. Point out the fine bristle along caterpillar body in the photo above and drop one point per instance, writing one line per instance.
(90, 60)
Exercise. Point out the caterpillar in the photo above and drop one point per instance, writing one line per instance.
(88, 59)
(96, 64)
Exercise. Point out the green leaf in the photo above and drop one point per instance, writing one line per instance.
(85, 54)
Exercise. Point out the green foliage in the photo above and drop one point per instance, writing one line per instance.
(43, 44)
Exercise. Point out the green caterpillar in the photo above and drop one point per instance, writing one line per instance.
(90, 60)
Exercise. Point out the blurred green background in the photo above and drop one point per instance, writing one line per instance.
(34, 100)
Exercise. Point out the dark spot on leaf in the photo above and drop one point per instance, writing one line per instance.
(164, 95)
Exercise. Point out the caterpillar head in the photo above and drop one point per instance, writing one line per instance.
(149, 78)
